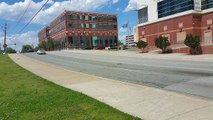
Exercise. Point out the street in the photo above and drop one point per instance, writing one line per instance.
(191, 77)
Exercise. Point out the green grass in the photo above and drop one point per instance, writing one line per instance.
(25, 96)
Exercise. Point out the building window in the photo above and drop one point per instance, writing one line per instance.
(94, 18)
(92, 25)
(170, 7)
(143, 15)
(86, 17)
(94, 41)
(69, 25)
(206, 4)
(106, 41)
(74, 17)
(82, 40)
(115, 40)
(76, 40)
(111, 41)
(102, 41)
(70, 40)
(114, 19)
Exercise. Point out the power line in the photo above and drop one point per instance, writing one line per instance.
(33, 16)
(23, 14)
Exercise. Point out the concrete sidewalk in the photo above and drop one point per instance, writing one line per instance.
(144, 102)
(152, 55)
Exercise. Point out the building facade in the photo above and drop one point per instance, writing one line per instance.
(43, 34)
(130, 41)
(85, 30)
(175, 19)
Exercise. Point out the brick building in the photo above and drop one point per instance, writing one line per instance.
(85, 30)
(175, 19)
(43, 34)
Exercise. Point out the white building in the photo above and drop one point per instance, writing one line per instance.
(130, 41)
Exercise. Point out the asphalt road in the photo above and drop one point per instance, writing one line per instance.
(191, 77)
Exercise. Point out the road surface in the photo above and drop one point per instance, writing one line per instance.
(191, 77)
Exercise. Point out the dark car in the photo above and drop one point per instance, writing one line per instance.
(30, 50)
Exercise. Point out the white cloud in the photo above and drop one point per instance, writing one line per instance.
(135, 4)
(14, 11)
(115, 1)
(29, 38)
(123, 30)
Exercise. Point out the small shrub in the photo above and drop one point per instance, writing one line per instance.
(194, 43)
(163, 43)
(142, 45)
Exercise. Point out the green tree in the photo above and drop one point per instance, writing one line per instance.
(120, 42)
(36, 48)
(142, 45)
(10, 50)
(42, 45)
(25, 48)
(163, 43)
(194, 43)
(50, 44)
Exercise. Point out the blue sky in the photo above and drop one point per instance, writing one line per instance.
(12, 10)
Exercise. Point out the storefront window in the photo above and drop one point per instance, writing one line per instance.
(95, 41)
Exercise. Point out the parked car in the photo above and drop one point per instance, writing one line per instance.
(30, 50)
(41, 52)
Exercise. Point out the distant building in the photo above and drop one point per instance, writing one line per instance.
(85, 30)
(130, 41)
(44, 34)
(175, 19)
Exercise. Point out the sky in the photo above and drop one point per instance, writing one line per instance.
(17, 13)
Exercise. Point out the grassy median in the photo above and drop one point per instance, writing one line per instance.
(25, 96)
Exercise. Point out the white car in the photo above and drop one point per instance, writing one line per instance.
(41, 52)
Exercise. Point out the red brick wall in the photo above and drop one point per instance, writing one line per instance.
(191, 25)
(205, 49)
(204, 25)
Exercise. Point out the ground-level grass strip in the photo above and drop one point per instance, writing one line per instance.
(25, 96)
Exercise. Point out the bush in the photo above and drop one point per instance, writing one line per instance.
(142, 45)
(10, 50)
(194, 43)
(25, 48)
(163, 43)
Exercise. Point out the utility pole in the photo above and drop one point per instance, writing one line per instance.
(5, 36)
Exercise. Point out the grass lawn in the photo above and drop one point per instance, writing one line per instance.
(25, 96)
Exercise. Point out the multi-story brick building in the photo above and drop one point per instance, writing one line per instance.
(85, 30)
(43, 34)
(175, 19)
(130, 41)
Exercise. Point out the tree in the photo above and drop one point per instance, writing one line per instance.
(120, 42)
(142, 45)
(25, 48)
(42, 45)
(36, 48)
(10, 50)
(194, 43)
(163, 43)
(50, 44)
